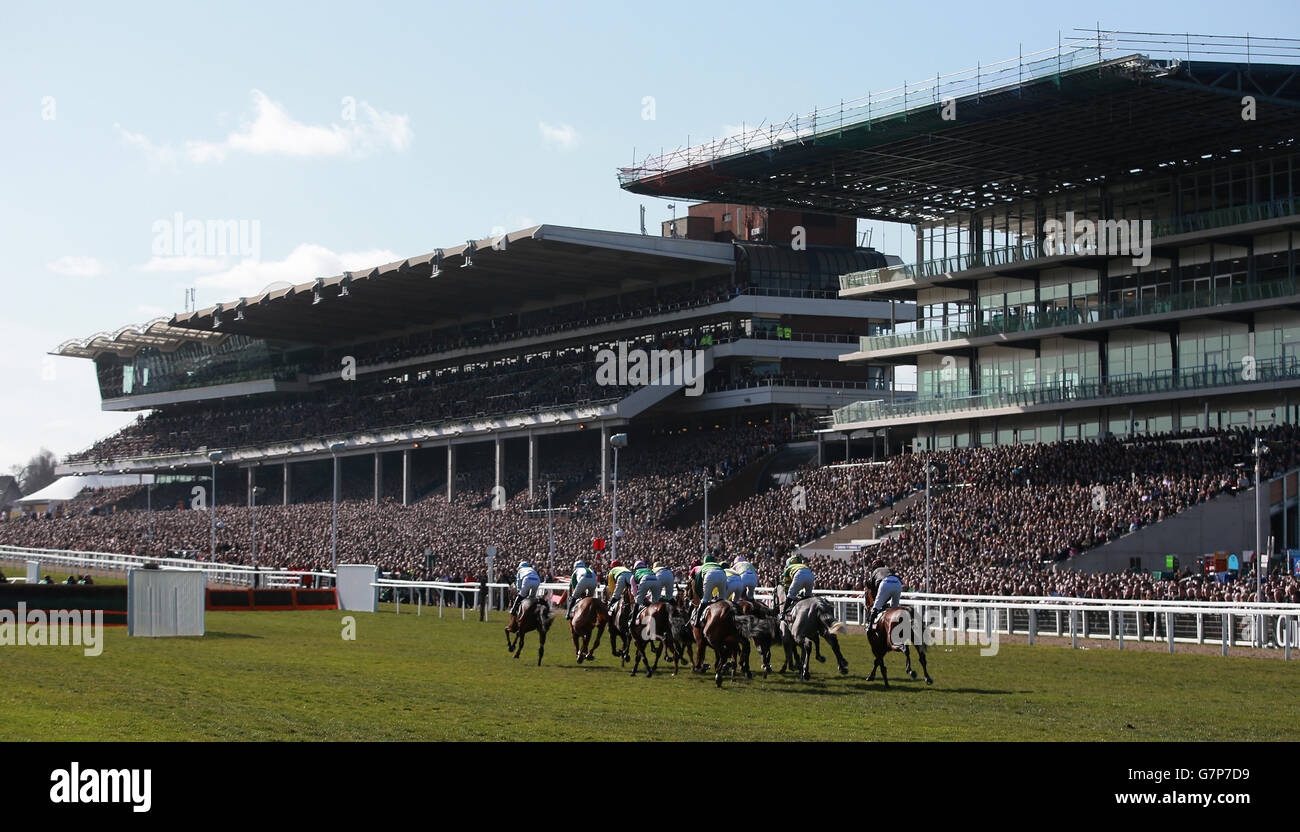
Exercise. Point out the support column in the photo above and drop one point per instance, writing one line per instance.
(248, 497)
(379, 476)
(604, 460)
(532, 467)
(406, 477)
(499, 448)
(451, 472)
(821, 449)
(288, 482)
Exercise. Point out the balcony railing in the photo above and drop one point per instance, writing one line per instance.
(993, 257)
(1285, 368)
(1084, 313)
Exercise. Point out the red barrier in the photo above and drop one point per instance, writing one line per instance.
(234, 600)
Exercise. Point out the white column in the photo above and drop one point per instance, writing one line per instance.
(451, 472)
(406, 477)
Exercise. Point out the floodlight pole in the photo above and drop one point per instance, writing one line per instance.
(253, 505)
(1260, 450)
(707, 483)
(613, 531)
(334, 533)
(550, 524)
(927, 526)
(214, 457)
(148, 502)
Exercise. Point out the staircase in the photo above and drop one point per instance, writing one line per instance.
(863, 528)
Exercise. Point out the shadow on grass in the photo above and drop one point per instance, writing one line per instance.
(228, 635)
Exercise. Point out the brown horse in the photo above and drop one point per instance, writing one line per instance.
(893, 630)
(588, 614)
(534, 614)
(720, 631)
(654, 625)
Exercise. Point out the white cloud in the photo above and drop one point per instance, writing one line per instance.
(562, 136)
(272, 131)
(306, 262)
(183, 264)
(75, 266)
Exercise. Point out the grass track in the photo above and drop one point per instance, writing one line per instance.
(290, 676)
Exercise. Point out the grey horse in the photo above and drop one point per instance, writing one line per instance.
(809, 619)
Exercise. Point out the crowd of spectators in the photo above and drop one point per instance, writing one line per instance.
(1002, 516)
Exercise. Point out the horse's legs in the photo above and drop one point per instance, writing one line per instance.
(577, 645)
(659, 649)
(519, 644)
(720, 656)
(920, 655)
(591, 651)
(541, 647)
(744, 661)
(510, 645)
(884, 674)
(842, 662)
(907, 656)
(817, 646)
(636, 659)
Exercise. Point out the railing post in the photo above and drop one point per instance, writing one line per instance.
(1120, 614)
(1224, 620)
(1169, 625)
(1033, 624)
(1074, 629)
(1200, 628)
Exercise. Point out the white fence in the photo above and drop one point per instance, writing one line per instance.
(1228, 624)
(119, 564)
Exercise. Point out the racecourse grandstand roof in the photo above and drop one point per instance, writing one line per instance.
(1094, 108)
(521, 267)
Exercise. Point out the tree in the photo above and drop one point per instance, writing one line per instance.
(37, 473)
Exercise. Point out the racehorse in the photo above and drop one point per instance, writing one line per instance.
(588, 614)
(719, 629)
(810, 618)
(761, 623)
(787, 641)
(620, 610)
(893, 631)
(654, 625)
(534, 614)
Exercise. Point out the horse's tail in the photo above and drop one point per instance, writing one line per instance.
(826, 613)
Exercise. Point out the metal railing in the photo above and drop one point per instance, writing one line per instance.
(1031, 250)
(1236, 374)
(1083, 313)
(119, 564)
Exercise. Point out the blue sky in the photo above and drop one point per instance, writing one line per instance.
(355, 133)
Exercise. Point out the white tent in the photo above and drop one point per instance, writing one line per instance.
(65, 488)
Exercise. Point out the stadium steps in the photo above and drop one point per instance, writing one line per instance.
(863, 528)
(731, 491)
(654, 393)
(1223, 524)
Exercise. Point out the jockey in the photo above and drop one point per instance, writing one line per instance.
(710, 578)
(619, 576)
(526, 583)
(582, 584)
(797, 579)
(883, 589)
(645, 586)
(666, 582)
(748, 576)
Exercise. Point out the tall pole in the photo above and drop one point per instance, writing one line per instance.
(148, 501)
(253, 497)
(212, 509)
(334, 534)
(927, 525)
(706, 514)
(550, 524)
(1260, 450)
(613, 532)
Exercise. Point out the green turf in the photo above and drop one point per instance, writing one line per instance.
(289, 675)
